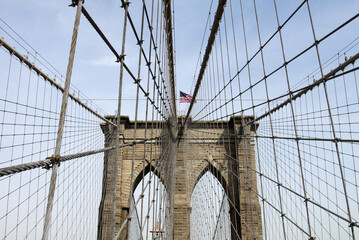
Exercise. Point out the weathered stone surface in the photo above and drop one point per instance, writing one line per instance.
(224, 148)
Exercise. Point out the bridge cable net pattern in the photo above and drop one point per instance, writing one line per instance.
(281, 139)
(31, 108)
(299, 95)
(31, 98)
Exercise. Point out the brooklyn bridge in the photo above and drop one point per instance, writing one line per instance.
(164, 119)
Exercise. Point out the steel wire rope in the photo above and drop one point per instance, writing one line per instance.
(292, 191)
(331, 120)
(146, 118)
(12, 150)
(122, 56)
(137, 201)
(140, 42)
(250, 84)
(207, 166)
(213, 129)
(291, 104)
(330, 76)
(237, 221)
(289, 61)
(32, 67)
(283, 214)
(153, 115)
(232, 203)
(249, 60)
(211, 40)
(200, 51)
(245, 144)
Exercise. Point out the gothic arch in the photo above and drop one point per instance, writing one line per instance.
(209, 167)
(138, 174)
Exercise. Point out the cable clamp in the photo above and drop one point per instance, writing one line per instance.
(75, 3)
(121, 58)
(140, 42)
(54, 160)
(127, 3)
(354, 224)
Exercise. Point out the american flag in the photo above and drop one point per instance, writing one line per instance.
(185, 98)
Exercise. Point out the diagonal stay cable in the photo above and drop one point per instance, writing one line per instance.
(119, 57)
(280, 67)
(212, 37)
(161, 160)
(351, 60)
(254, 55)
(259, 195)
(232, 203)
(23, 59)
(48, 161)
(292, 191)
(330, 76)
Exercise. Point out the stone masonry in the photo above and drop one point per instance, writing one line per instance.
(225, 148)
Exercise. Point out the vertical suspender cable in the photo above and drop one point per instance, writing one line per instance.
(140, 43)
(212, 37)
(333, 129)
(125, 5)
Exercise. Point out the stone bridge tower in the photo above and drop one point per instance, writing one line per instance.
(225, 148)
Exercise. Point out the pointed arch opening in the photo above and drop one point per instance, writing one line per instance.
(210, 218)
(151, 207)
